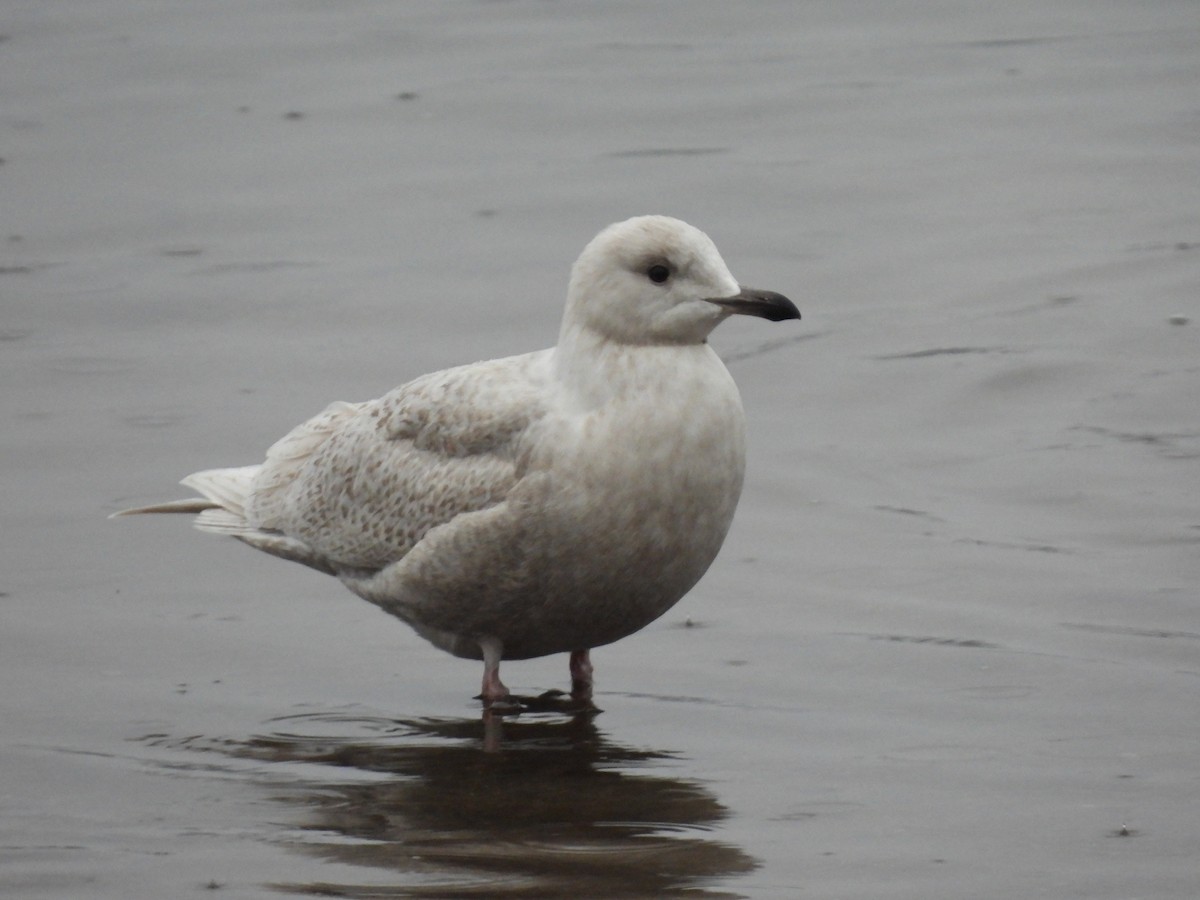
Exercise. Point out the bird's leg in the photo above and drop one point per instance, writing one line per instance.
(493, 687)
(581, 675)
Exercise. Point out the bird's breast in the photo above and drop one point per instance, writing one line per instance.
(647, 482)
(622, 502)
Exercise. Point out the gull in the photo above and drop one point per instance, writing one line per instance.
(550, 502)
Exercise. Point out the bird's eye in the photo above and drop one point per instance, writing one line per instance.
(658, 273)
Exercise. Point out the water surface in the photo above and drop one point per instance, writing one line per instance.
(952, 645)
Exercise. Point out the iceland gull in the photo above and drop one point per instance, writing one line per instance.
(545, 503)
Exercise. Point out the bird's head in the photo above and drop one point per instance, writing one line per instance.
(657, 280)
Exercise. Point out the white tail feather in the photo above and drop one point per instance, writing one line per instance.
(190, 505)
(222, 521)
(222, 508)
(244, 502)
(227, 488)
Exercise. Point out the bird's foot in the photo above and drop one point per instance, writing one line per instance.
(494, 691)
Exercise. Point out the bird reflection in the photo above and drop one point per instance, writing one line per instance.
(561, 810)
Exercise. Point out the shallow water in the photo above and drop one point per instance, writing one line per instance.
(952, 645)
(560, 810)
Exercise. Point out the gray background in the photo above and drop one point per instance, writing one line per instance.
(950, 648)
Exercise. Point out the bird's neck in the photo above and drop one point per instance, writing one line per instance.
(595, 369)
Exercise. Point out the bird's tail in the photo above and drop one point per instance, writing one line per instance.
(222, 506)
(222, 510)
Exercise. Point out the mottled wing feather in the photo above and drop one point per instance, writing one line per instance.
(361, 484)
(270, 506)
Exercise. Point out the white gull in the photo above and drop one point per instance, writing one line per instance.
(545, 503)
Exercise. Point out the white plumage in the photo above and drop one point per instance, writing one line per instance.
(544, 503)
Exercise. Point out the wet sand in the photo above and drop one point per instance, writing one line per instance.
(952, 645)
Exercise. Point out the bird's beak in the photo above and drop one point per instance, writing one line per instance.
(753, 302)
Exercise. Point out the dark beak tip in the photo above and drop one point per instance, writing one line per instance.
(765, 304)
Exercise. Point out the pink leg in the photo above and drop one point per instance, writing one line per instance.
(493, 687)
(581, 675)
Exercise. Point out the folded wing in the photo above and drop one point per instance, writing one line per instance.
(356, 487)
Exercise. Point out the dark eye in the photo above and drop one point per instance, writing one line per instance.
(658, 273)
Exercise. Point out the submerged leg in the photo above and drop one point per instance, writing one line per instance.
(493, 687)
(581, 675)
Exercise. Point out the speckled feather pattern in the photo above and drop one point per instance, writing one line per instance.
(362, 483)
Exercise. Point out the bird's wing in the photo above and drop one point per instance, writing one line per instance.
(360, 484)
